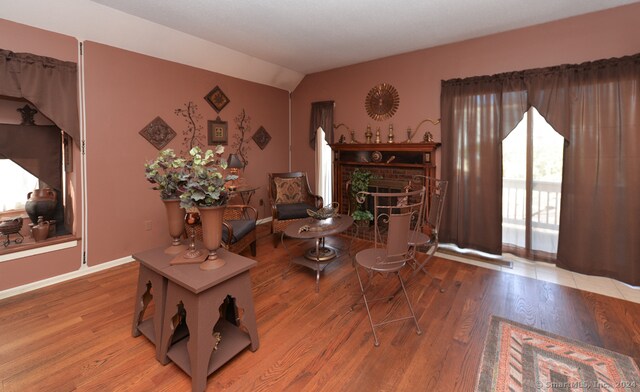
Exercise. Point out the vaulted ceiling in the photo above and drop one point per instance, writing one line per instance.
(278, 42)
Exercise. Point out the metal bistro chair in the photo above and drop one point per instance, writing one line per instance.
(396, 217)
(427, 235)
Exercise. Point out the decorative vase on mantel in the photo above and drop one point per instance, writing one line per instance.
(175, 216)
(211, 220)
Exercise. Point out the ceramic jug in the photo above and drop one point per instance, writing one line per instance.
(41, 202)
(40, 231)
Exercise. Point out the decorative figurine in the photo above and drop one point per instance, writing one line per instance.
(353, 138)
(390, 138)
(342, 139)
(428, 137)
(368, 134)
(409, 135)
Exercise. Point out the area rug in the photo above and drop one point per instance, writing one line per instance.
(517, 357)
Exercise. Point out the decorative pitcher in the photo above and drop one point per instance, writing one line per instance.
(40, 231)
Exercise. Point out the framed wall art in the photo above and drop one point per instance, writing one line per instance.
(261, 137)
(158, 133)
(217, 132)
(217, 99)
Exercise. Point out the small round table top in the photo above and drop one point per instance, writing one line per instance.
(314, 228)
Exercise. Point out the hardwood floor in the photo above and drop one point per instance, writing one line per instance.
(77, 335)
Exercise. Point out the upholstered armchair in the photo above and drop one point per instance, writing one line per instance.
(290, 197)
(238, 229)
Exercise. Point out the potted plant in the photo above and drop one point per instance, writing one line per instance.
(169, 176)
(359, 180)
(205, 189)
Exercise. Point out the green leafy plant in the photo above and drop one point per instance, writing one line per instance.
(205, 183)
(360, 180)
(167, 173)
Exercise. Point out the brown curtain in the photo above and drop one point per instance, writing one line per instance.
(595, 106)
(477, 114)
(321, 116)
(36, 148)
(50, 84)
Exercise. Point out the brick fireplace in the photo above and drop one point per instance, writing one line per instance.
(395, 164)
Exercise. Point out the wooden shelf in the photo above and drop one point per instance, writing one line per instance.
(233, 341)
(146, 328)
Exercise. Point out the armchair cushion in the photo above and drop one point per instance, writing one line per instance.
(289, 190)
(293, 211)
(240, 227)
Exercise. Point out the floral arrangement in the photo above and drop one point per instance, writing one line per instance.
(205, 185)
(167, 173)
(198, 180)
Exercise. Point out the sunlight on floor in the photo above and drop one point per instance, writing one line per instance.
(550, 273)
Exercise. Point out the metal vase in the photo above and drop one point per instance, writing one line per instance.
(211, 220)
(175, 216)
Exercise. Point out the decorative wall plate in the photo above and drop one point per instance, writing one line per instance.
(382, 102)
(261, 137)
(158, 133)
(217, 99)
(376, 156)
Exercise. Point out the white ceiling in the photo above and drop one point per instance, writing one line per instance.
(315, 35)
(277, 42)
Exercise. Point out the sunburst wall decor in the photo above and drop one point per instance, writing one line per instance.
(382, 102)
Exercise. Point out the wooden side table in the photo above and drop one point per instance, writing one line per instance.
(196, 296)
(201, 293)
(151, 285)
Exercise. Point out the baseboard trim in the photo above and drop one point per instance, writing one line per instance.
(64, 277)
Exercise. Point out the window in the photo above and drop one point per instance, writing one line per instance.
(323, 167)
(15, 183)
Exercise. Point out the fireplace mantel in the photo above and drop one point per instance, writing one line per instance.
(392, 161)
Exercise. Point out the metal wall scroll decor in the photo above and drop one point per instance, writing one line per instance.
(261, 137)
(27, 113)
(217, 99)
(158, 133)
(217, 132)
(382, 102)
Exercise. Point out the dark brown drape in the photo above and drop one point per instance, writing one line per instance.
(321, 116)
(36, 148)
(477, 113)
(595, 106)
(50, 84)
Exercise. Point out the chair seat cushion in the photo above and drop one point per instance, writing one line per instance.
(293, 210)
(241, 227)
(376, 260)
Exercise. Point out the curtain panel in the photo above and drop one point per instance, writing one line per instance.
(36, 148)
(321, 116)
(595, 106)
(50, 84)
(477, 113)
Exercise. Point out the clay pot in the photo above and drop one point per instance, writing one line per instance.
(40, 231)
(41, 202)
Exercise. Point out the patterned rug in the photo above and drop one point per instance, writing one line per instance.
(520, 358)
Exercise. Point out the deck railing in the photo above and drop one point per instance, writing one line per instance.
(545, 201)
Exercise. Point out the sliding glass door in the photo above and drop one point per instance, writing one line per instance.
(531, 188)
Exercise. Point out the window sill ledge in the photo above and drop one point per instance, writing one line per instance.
(31, 248)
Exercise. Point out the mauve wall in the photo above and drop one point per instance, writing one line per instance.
(124, 92)
(21, 38)
(417, 75)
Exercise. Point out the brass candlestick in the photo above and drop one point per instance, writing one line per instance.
(390, 137)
